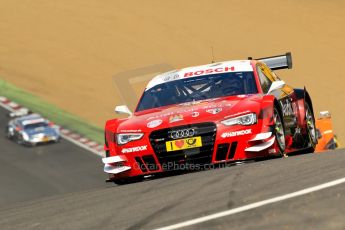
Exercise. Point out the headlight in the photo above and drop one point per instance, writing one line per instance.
(247, 119)
(123, 138)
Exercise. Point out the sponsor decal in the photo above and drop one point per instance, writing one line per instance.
(187, 143)
(191, 103)
(214, 111)
(287, 107)
(197, 102)
(158, 140)
(175, 118)
(215, 106)
(195, 114)
(171, 77)
(131, 131)
(134, 149)
(209, 71)
(154, 123)
(161, 116)
(237, 114)
(272, 151)
(236, 133)
(33, 121)
(164, 115)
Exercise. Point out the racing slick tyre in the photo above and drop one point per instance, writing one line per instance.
(19, 140)
(311, 138)
(8, 134)
(58, 140)
(279, 131)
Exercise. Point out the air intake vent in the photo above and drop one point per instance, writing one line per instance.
(232, 150)
(222, 151)
(141, 164)
(150, 163)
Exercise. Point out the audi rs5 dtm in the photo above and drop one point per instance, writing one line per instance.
(220, 112)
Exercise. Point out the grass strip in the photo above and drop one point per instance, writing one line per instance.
(50, 111)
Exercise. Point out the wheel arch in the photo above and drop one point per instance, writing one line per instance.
(269, 102)
(302, 94)
(109, 135)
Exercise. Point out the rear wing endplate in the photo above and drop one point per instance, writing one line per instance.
(277, 62)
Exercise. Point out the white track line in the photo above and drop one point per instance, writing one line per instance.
(253, 205)
(9, 108)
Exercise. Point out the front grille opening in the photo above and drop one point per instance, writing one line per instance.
(141, 164)
(232, 150)
(150, 163)
(222, 152)
(207, 132)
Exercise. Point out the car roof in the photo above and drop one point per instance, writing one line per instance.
(30, 119)
(195, 71)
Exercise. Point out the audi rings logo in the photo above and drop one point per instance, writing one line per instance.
(176, 134)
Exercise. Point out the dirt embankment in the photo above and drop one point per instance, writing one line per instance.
(67, 51)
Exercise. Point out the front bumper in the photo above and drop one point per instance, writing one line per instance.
(220, 144)
(115, 164)
(42, 139)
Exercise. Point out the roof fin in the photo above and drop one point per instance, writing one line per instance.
(212, 55)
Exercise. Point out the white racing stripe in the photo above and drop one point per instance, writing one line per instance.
(253, 205)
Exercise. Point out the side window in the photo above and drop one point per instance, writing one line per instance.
(264, 80)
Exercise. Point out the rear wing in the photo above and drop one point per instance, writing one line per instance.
(277, 62)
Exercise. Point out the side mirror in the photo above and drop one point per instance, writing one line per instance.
(123, 109)
(276, 85)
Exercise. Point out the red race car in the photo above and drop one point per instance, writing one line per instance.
(220, 112)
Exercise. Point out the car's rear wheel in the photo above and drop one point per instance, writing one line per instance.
(311, 136)
(279, 131)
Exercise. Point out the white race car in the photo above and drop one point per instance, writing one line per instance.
(31, 130)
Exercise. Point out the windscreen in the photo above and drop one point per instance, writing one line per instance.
(35, 125)
(198, 88)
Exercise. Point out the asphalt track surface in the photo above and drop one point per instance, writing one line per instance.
(30, 173)
(173, 199)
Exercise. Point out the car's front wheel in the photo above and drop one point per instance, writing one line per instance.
(19, 139)
(279, 132)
